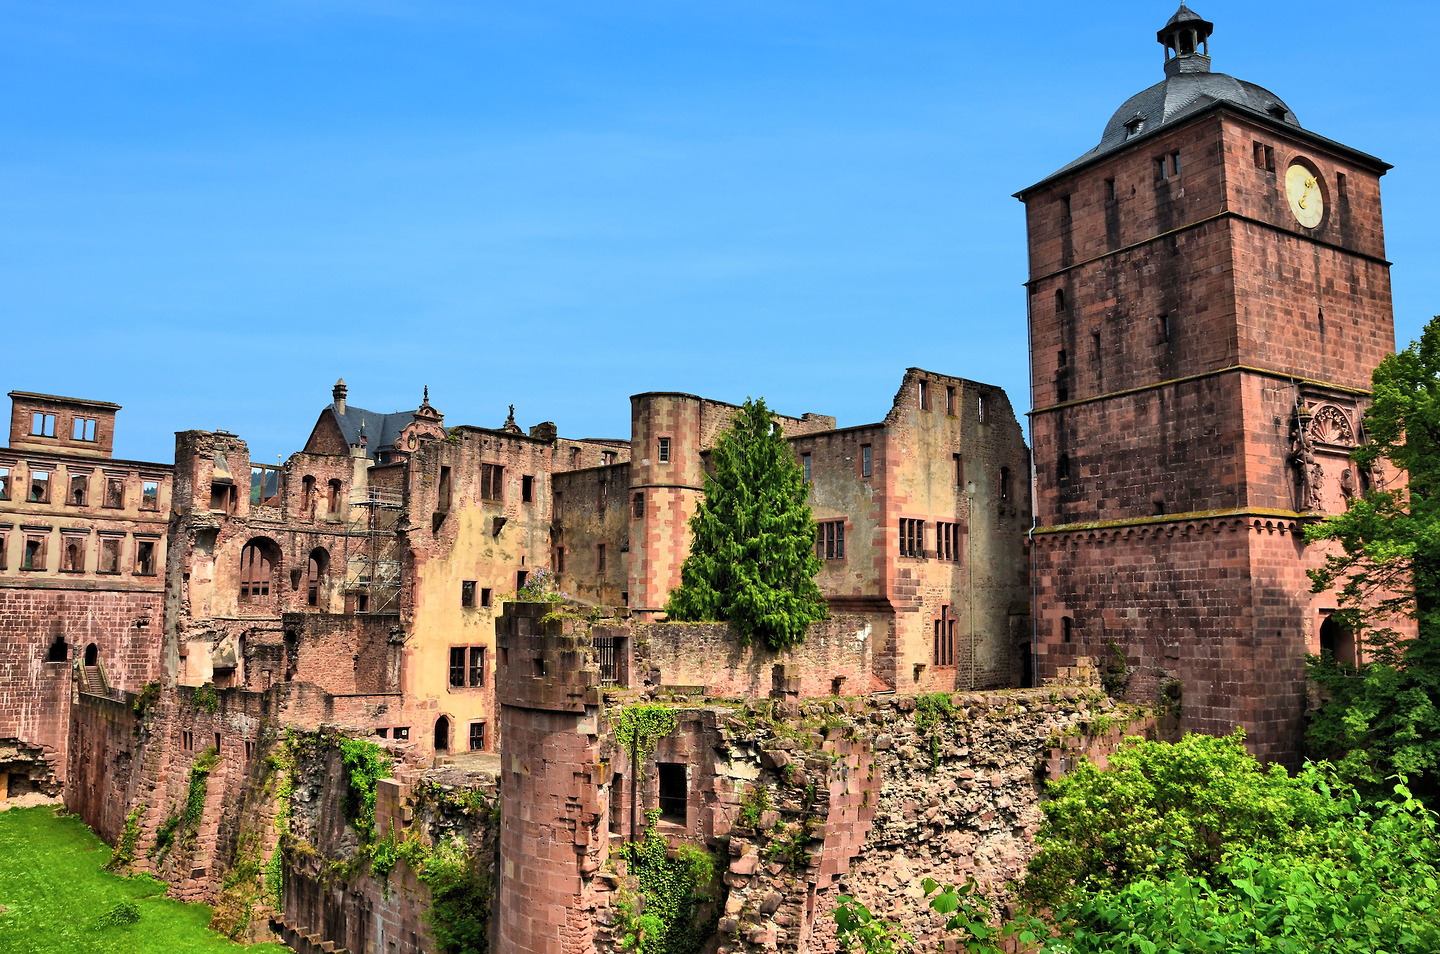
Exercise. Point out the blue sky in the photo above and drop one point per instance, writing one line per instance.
(212, 211)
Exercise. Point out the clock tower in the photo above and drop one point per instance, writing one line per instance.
(1208, 297)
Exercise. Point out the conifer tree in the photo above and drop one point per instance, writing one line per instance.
(752, 557)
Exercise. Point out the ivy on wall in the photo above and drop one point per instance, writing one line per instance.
(673, 907)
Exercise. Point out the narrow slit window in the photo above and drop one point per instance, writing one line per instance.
(867, 460)
(527, 488)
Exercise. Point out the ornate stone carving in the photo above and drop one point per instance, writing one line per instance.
(1331, 426)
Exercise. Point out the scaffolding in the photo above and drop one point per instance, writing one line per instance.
(372, 550)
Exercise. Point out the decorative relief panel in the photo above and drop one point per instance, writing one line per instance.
(1331, 426)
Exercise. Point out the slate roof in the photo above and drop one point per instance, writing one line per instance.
(381, 430)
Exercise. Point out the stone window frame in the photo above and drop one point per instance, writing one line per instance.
(807, 471)
(948, 538)
(467, 594)
(492, 482)
(867, 461)
(662, 450)
(7, 473)
(84, 429)
(467, 665)
(912, 537)
(830, 539)
(147, 555)
(42, 424)
(5, 529)
(118, 540)
(114, 497)
(672, 790)
(42, 475)
(79, 480)
(477, 733)
(943, 651)
(638, 510)
(150, 493)
(527, 488)
(486, 597)
(34, 558)
(73, 550)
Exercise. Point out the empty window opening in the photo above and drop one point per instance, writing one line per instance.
(673, 791)
(1004, 483)
(485, 596)
(72, 558)
(1059, 300)
(4, 547)
(602, 495)
(33, 556)
(1337, 639)
(150, 495)
(867, 460)
(520, 577)
(467, 593)
(607, 457)
(109, 555)
(1064, 201)
(442, 734)
(1162, 329)
(58, 652)
(1340, 185)
(39, 488)
(442, 501)
(912, 537)
(805, 467)
(1062, 467)
(574, 458)
(79, 489)
(1110, 194)
(1264, 157)
(980, 408)
(187, 741)
(557, 507)
(958, 466)
(830, 540)
(923, 390)
(42, 425)
(950, 399)
(1067, 628)
(1095, 344)
(145, 558)
(4, 483)
(944, 653)
(332, 497)
(115, 492)
(477, 737)
(527, 488)
(662, 452)
(639, 505)
(307, 496)
(1062, 358)
(402, 733)
(83, 429)
(600, 558)
(559, 559)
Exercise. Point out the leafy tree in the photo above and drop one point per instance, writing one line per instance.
(752, 557)
(1385, 719)
(1162, 808)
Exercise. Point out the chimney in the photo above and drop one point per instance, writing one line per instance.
(339, 395)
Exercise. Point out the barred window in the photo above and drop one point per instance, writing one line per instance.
(944, 638)
(912, 537)
(947, 541)
(830, 540)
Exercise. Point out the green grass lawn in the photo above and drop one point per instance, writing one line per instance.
(55, 892)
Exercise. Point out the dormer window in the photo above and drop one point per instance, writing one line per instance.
(1133, 126)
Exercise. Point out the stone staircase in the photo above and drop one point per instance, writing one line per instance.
(302, 940)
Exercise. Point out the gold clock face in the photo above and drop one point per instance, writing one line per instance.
(1302, 188)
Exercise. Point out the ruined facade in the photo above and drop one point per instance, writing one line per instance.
(1208, 297)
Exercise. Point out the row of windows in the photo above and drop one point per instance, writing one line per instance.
(948, 540)
(75, 546)
(602, 561)
(258, 562)
(38, 488)
(81, 428)
(1166, 167)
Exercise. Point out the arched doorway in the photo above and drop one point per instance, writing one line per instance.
(1337, 640)
(92, 655)
(442, 734)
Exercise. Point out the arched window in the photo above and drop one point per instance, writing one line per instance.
(334, 497)
(1337, 640)
(442, 734)
(1067, 628)
(307, 497)
(257, 569)
(315, 570)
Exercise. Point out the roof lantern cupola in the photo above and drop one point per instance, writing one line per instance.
(1186, 40)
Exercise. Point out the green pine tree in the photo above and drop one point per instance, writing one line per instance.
(752, 557)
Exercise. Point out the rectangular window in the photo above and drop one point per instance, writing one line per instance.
(602, 495)
(145, 558)
(109, 555)
(959, 468)
(1175, 163)
(4, 549)
(922, 390)
(527, 488)
(1064, 201)
(72, 554)
(867, 460)
(607, 458)
(492, 482)
(805, 466)
(557, 508)
(187, 740)
(600, 558)
(79, 490)
(1340, 186)
(559, 559)
(39, 487)
(477, 666)
(944, 654)
(33, 557)
(42, 425)
(485, 596)
(947, 541)
(445, 491)
(980, 408)
(402, 733)
(467, 593)
(639, 505)
(4, 483)
(477, 737)
(1110, 194)
(949, 399)
(912, 537)
(673, 794)
(663, 452)
(114, 492)
(150, 495)
(830, 540)
(520, 577)
(84, 429)
(1264, 157)
(457, 667)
